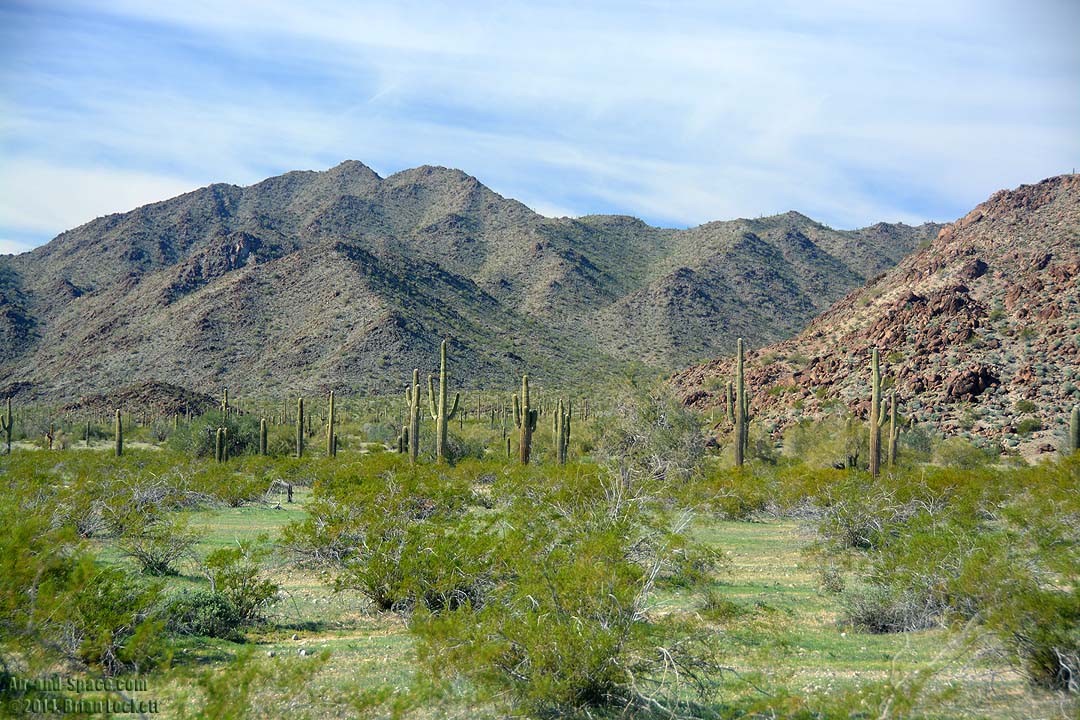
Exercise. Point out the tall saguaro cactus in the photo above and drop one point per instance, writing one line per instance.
(331, 439)
(525, 418)
(262, 437)
(225, 402)
(412, 403)
(440, 413)
(300, 427)
(6, 424)
(877, 414)
(219, 445)
(562, 431)
(119, 434)
(742, 407)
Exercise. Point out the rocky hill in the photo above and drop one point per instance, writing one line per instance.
(979, 332)
(344, 279)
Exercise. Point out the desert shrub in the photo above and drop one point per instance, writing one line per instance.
(831, 579)
(998, 546)
(393, 532)
(111, 621)
(854, 516)
(565, 626)
(204, 613)
(833, 441)
(650, 436)
(235, 482)
(1025, 406)
(1028, 425)
(464, 447)
(198, 437)
(915, 444)
(57, 603)
(1041, 628)
(733, 493)
(236, 574)
(961, 453)
(877, 609)
(157, 542)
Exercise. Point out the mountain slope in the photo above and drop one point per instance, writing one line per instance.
(979, 332)
(344, 279)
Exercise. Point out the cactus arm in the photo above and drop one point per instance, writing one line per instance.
(517, 412)
(453, 408)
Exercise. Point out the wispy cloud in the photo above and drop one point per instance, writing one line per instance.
(679, 112)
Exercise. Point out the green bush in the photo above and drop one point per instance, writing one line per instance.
(1028, 426)
(564, 626)
(650, 436)
(157, 543)
(395, 532)
(1025, 406)
(960, 453)
(834, 441)
(235, 574)
(204, 613)
(198, 437)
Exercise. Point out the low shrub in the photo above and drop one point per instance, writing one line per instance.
(204, 613)
(157, 542)
(395, 532)
(236, 575)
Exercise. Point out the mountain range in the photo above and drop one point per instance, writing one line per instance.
(344, 279)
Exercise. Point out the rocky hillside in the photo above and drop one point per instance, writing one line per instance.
(979, 332)
(344, 279)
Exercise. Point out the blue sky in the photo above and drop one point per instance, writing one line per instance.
(676, 112)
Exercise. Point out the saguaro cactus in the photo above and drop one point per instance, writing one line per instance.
(331, 440)
(6, 424)
(119, 435)
(525, 418)
(219, 445)
(262, 437)
(437, 405)
(877, 414)
(225, 402)
(300, 427)
(412, 403)
(562, 431)
(742, 408)
(1074, 429)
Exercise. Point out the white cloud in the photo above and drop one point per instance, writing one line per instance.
(14, 247)
(681, 112)
(40, 197)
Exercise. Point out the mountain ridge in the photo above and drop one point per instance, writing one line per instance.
(979, 331)
(206, 287)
